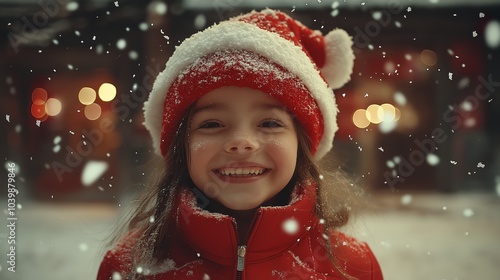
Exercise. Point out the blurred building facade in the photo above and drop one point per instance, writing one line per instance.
(421, 111)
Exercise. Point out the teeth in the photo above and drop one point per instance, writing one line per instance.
(241, 171)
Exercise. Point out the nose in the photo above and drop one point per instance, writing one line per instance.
(241, 143)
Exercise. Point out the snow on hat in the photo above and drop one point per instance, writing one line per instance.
(266, 50)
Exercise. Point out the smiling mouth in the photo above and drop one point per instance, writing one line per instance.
(241, 172)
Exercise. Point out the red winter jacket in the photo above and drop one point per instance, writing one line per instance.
(206, 247)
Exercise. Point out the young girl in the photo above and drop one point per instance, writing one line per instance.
(241, 115)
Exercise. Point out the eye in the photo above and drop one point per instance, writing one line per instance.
(210, 124)
(271, 123)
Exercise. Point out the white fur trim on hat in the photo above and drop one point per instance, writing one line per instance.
(242, 36)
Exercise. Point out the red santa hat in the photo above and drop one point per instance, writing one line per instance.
(266, 50)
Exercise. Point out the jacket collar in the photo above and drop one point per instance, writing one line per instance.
(274, 230)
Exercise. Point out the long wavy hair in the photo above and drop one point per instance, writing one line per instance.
(153, 209)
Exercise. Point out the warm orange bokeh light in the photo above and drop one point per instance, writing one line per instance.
(38, 110)
(107, 92)
(375, 113)
(428, 57)
(359, 118)
(92, 111)
(39, 96)
(53, 107)
(87, 95)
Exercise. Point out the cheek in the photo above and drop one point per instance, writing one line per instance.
(284, 150)
(202, 144)
(283, 144)
(197, 145)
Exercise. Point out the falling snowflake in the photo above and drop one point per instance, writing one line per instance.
(72, 6)
(492, 34)
(377, 15)
(121, 44)
(116, 276)
(468, 213)
(450, 76)
(7, 118)
(406, 199)
(83, 247)
(291, 226)
(133, 55)
(432, 159)
(474, 33)
(93, 171)
(143, 26)
(400, 98)
(480, 165)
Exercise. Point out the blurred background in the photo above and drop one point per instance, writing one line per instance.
(419, 125)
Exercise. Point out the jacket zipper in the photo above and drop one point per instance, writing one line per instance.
(242, 251)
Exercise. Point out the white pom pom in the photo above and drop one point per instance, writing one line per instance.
(339, 58)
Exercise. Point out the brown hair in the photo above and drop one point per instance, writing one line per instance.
(152, 215)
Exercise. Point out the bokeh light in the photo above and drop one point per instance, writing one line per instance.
(107, 92)
(375, 113)
(87, 95)
(428, 57)
(92, 111)
(359, 118)
(385, 115)
(389, 114)
(398, 114)
(53, 107)
(39, 96)
(38, 110)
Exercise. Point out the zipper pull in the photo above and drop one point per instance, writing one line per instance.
(242, 250)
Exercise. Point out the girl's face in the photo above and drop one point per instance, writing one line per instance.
(243, 147)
